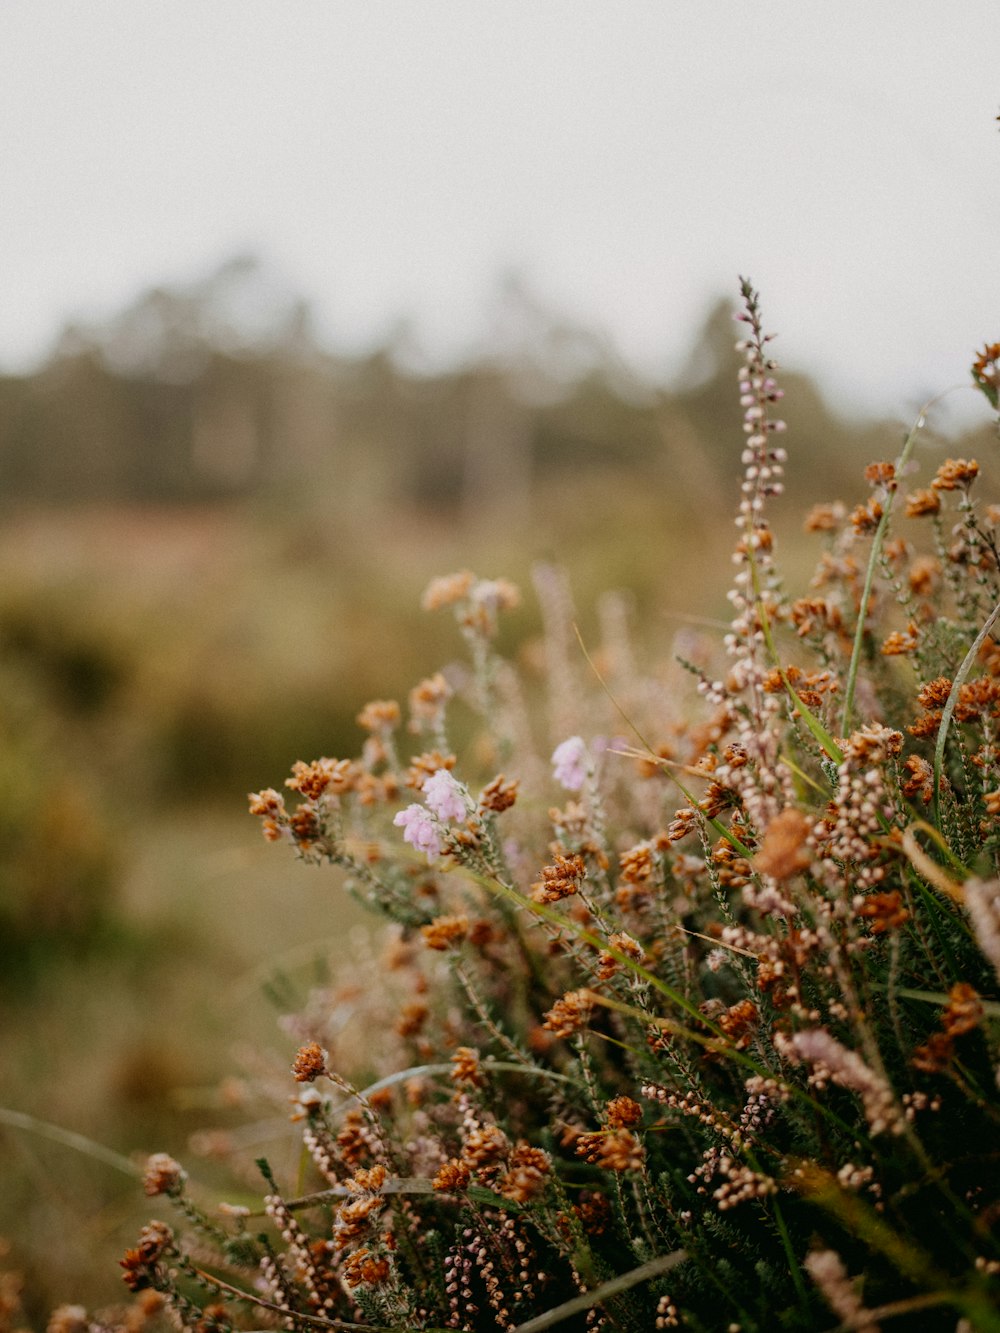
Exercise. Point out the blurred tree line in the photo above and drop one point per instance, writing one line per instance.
(221, 389)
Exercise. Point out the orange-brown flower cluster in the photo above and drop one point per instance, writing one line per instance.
(571, 1013)
(379, 715)
(986, 371)
(445, 931)
(956, 474)
(310, 1063)
(920, 783)
(163, 1175)
(608, 965)
(499, 795)
(428, 701)
(962, 1013)
(880, 474)
(612, 1149)
(865, 518)
(739, 1022)
(559, 880)
(921, 503)
(900, 642)
(140, 1263)
(824, 518)
(423, 766)
(924, 575)
(453, 1176)
(527, 1174)
(465, 1068)
(623, 1113)
(363, 1266)
(784, 852)
(883, 911)
(269, 807)
(336, 776)
(815, 615)
(447, 589)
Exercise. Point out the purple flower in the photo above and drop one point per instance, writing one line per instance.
(444, 796)
(571, 763)
(419, 830)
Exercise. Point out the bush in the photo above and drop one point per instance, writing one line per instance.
(714, 1043)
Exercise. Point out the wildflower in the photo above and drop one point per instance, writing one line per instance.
(363, 1266)
(423, 766)
(898, 643)
(880, 474)
(570, 763)
(499, 795)
(623, 1113)
(836, 1063)
(922, 502)
(527, 1175)
(986, 371)
(484, 1146)
(163, 1175)
(310, 1063)
(560, 880)
(444, 931)
(412, 1018)
(427, 703)
(956, 474)
(379, 715)
(312, 780)
(569, 1014)
(885, 911)
(465, 1068)
(613, 1149)
(452, 1177)
(447, 589)
(419, 830)
(784, 852)
(445, 797)
(824, 518)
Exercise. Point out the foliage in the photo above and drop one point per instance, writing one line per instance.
(714, 1044)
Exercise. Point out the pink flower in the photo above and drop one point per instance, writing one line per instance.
(571, 763)
(444, 796)
(419, 830)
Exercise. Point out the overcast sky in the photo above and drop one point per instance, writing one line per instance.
(629, 158)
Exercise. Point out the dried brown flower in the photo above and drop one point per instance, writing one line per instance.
(444, 931)
(453, 1176)
(559, 880)
(956, 474)
(784, 852)
(310, 1063)
(623, 1113)
(612, 1149)
(363, 1266)
(499, 795)
(379, 715)
(569, 1014)
(884, 911)
(163, 1175)
(465, 1067)
(447, 589)
(921, 503)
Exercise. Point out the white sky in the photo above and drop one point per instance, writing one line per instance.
(391, 157)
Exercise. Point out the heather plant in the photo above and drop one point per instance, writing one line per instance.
(693, 1025)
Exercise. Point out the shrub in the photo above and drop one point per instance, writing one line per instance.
(714, 1043)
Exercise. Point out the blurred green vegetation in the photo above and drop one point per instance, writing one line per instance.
(213, 539)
